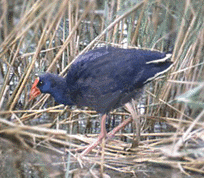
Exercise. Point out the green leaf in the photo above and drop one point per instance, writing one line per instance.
(192, 97)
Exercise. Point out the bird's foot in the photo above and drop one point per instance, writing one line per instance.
(105, 135)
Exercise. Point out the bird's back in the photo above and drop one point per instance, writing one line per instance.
(106, 78)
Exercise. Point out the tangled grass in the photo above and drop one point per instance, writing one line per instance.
(48, 35)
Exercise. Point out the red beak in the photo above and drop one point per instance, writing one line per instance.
(34, 90)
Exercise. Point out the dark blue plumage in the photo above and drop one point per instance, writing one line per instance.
(105, 78)
(56, 86)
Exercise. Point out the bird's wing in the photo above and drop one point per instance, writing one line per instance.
(104, 75)
(106, 69)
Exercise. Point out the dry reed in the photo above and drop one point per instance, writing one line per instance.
(48, 35)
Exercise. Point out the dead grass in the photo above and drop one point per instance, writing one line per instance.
(50, 35)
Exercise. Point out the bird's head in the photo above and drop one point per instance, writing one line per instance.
(43, 84)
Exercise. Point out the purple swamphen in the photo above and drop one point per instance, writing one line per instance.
(104, 79)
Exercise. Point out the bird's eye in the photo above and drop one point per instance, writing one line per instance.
(40, 82)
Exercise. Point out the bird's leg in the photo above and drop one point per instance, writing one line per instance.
(103, 133)
(103, 126)
(119, 127)
(131, 108)
(99, 139)
(135, 118)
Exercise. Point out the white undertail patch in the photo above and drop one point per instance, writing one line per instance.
(158, 74)
(160, 60)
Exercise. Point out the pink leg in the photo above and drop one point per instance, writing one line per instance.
(101, 136)
(119, 127)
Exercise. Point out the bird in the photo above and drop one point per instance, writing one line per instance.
(104, 79)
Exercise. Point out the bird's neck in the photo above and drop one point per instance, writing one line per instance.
(61, 93)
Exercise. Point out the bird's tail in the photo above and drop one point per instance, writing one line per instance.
(157, 69)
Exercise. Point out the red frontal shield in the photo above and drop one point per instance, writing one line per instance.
(34, 90)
